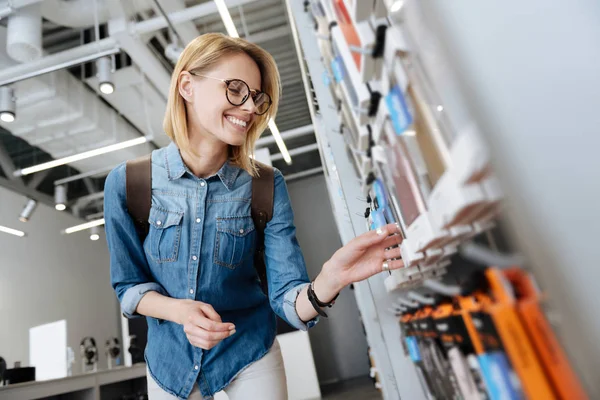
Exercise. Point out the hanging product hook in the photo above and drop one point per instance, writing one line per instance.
(421, 299)
(442, 288)
(488, 257)
(408, 303)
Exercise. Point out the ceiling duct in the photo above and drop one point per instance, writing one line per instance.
(80, 13)
(58, 114)
(24, 34)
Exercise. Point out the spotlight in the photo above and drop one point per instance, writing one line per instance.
(94, 233)
(7, 104)
(104, 72)
(28, 210)
(396, 6)
(60, 197)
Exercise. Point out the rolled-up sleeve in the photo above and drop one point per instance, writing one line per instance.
(129, 272)
(286, 268)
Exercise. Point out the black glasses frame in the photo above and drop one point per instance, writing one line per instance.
(251, 92)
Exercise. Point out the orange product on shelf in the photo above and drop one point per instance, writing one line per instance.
(549, 350)
(515, 339)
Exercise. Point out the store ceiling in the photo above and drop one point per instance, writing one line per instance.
(44, 128)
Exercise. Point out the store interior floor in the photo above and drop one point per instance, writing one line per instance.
(354, 389)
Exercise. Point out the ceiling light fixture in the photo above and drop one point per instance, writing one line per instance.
(11, 231)
(81, 156)
(8, 104)
(396, 6)
(282, 148)
(83, 227)
(28, 210)
(94, 233)
(104, 75)
(226, 17)
(60, 197)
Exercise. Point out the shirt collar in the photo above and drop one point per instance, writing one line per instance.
(176, 167)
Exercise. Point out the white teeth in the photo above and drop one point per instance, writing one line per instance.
(237, 121)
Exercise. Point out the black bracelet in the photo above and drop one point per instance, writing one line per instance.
(313, 301)
(319, 302)
(316, 303)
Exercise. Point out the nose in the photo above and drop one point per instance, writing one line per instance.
(249, 105)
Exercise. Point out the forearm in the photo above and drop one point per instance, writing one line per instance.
(155, 305)
(326, 287)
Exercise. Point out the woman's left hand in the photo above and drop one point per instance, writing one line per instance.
(364, 256)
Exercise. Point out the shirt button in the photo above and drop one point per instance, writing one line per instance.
(202, 183)
(194, 258)
(191, 291)
(158, 223)
(241, 231)
(196, 367)
(198, 220)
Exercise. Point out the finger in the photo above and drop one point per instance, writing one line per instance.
(394, 264)
(201, 334)
(210, 312)
(392, 253)
(209, 325)
(391, 241)
(192, 330)
(371, 238)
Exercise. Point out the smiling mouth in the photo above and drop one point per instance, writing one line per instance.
(237, 122)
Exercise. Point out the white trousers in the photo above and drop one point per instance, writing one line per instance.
(263, 379)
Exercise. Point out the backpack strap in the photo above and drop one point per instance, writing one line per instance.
(138, 178)
(263, 187)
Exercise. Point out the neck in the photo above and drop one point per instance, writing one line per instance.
(210, 155)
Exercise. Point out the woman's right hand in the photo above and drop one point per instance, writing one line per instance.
(202, 325)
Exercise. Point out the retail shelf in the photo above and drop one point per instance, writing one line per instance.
(396, 373)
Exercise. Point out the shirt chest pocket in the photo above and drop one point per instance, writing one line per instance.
(234, 242)
(164, 236)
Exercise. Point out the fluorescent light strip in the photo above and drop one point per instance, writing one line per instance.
(282, 148)
(11, 231)
(81, 156)
(226, 17)
(83, 227)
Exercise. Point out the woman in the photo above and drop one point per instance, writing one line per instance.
(210, 327)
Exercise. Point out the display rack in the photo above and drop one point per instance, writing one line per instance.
(398, 143)
(109, 384)
(397, 377)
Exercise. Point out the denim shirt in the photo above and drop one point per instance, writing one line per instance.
(200, 246)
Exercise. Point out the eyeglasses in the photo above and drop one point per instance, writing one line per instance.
(238, 92)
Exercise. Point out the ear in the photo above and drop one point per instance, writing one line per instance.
(186, 88)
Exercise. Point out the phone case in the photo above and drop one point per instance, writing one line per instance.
(501, 306)
(552, 357)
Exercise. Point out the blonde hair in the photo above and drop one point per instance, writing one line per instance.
(200, 55)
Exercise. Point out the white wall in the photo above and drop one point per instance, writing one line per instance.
(338, 343)
(47, 276)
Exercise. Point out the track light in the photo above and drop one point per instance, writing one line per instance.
(94, 233)
(60, 197)
(104, 74)
(7, 104)
(28, 210)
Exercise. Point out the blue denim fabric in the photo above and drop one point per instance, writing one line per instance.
(200, 246)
